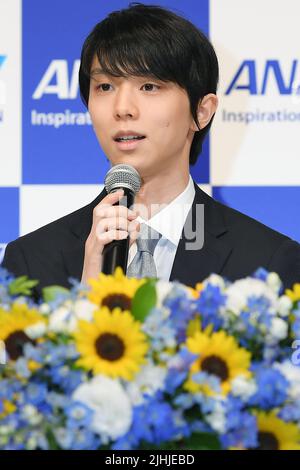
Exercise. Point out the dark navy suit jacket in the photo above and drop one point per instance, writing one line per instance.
(235, 245)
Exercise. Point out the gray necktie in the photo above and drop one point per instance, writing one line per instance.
(143, 264)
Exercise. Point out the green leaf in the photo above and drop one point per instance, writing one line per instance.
(201, 441)
(51, 292)
(197, 441)
(144, 300)
(22, 286)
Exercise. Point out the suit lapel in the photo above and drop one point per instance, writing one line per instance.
(192, 266)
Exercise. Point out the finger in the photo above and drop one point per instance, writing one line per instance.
(107, 237)
(120, 223)
(111, 198)
(134, 226)
(102, 212)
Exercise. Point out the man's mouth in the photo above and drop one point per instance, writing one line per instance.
(127, 138)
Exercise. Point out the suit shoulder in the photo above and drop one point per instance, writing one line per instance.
(60, 228)
(243, 225)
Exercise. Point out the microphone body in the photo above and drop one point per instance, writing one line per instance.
(127, 178)
(115, 253)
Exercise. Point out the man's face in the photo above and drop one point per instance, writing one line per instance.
(157, 110)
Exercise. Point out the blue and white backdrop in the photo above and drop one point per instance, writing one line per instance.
(50, 161)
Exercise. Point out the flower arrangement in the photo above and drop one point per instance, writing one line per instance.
(146, 364)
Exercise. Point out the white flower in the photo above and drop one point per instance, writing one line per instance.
(111, 405)
(239, 292)
(215, 280)
(292, 374)
(274, 282)
(6, 429)
(279, 329)
(36, 331)
(45, 309)
(243, 387)
(284, 306)
(31, 414)
(84, 309)
(163, 288)
(150, 379)
(62, 320)
(217, 419)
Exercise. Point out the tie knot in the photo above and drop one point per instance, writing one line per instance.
(147, 239)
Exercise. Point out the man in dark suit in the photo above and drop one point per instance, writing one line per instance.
(149, 80)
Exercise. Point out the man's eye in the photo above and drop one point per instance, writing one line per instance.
(151, 85)
(103, 86)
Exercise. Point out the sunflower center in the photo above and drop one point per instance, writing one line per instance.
(216, 366)
(117, 300)
(15, 342)
(267, 441)
(109, 347)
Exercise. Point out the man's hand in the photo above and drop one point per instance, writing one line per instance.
(109, 223)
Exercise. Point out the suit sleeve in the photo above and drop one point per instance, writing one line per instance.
(14, 260)
(286, 263)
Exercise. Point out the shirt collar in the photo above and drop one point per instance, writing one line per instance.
(169, 221)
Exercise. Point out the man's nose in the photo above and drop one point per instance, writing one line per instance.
(125, 103)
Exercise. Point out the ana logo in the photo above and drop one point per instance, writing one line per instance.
(2, 60)
(284, 77)
(63, 86)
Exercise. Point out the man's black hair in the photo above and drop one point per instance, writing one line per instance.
(148, 40)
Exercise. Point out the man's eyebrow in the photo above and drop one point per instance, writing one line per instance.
(98, 71)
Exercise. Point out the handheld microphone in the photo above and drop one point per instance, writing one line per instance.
(127, 178)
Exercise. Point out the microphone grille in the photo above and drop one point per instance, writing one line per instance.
(122, 176)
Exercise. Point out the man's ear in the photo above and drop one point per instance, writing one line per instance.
(206, 109)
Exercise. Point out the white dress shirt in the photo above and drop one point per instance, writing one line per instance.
(169, 222)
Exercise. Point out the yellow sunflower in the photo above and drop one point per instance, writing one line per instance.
(275, 434)
(114, 290)
(13, 324)
(8, 408)
(220, 355)
(294, 294)
(112, 344)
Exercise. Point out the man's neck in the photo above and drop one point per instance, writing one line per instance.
(159, 191)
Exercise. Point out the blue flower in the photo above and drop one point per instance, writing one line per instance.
(84, 439)
(153, 422)
(67, 379)
(261, 273)
(64, 437)
(57, 400)
(272, 388)
(174, 379)
(35, 393)
(290, 412)
(160, 330)
(127, 442)
(182, 310)
(241, 430)
(78, 414)
(207, 403)
(203, 378)
(208, 304)
(178, 369)
(260, 304)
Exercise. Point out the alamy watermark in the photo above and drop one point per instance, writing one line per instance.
(189, 218)
(296, 354)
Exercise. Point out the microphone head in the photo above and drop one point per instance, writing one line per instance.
(122, 176)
